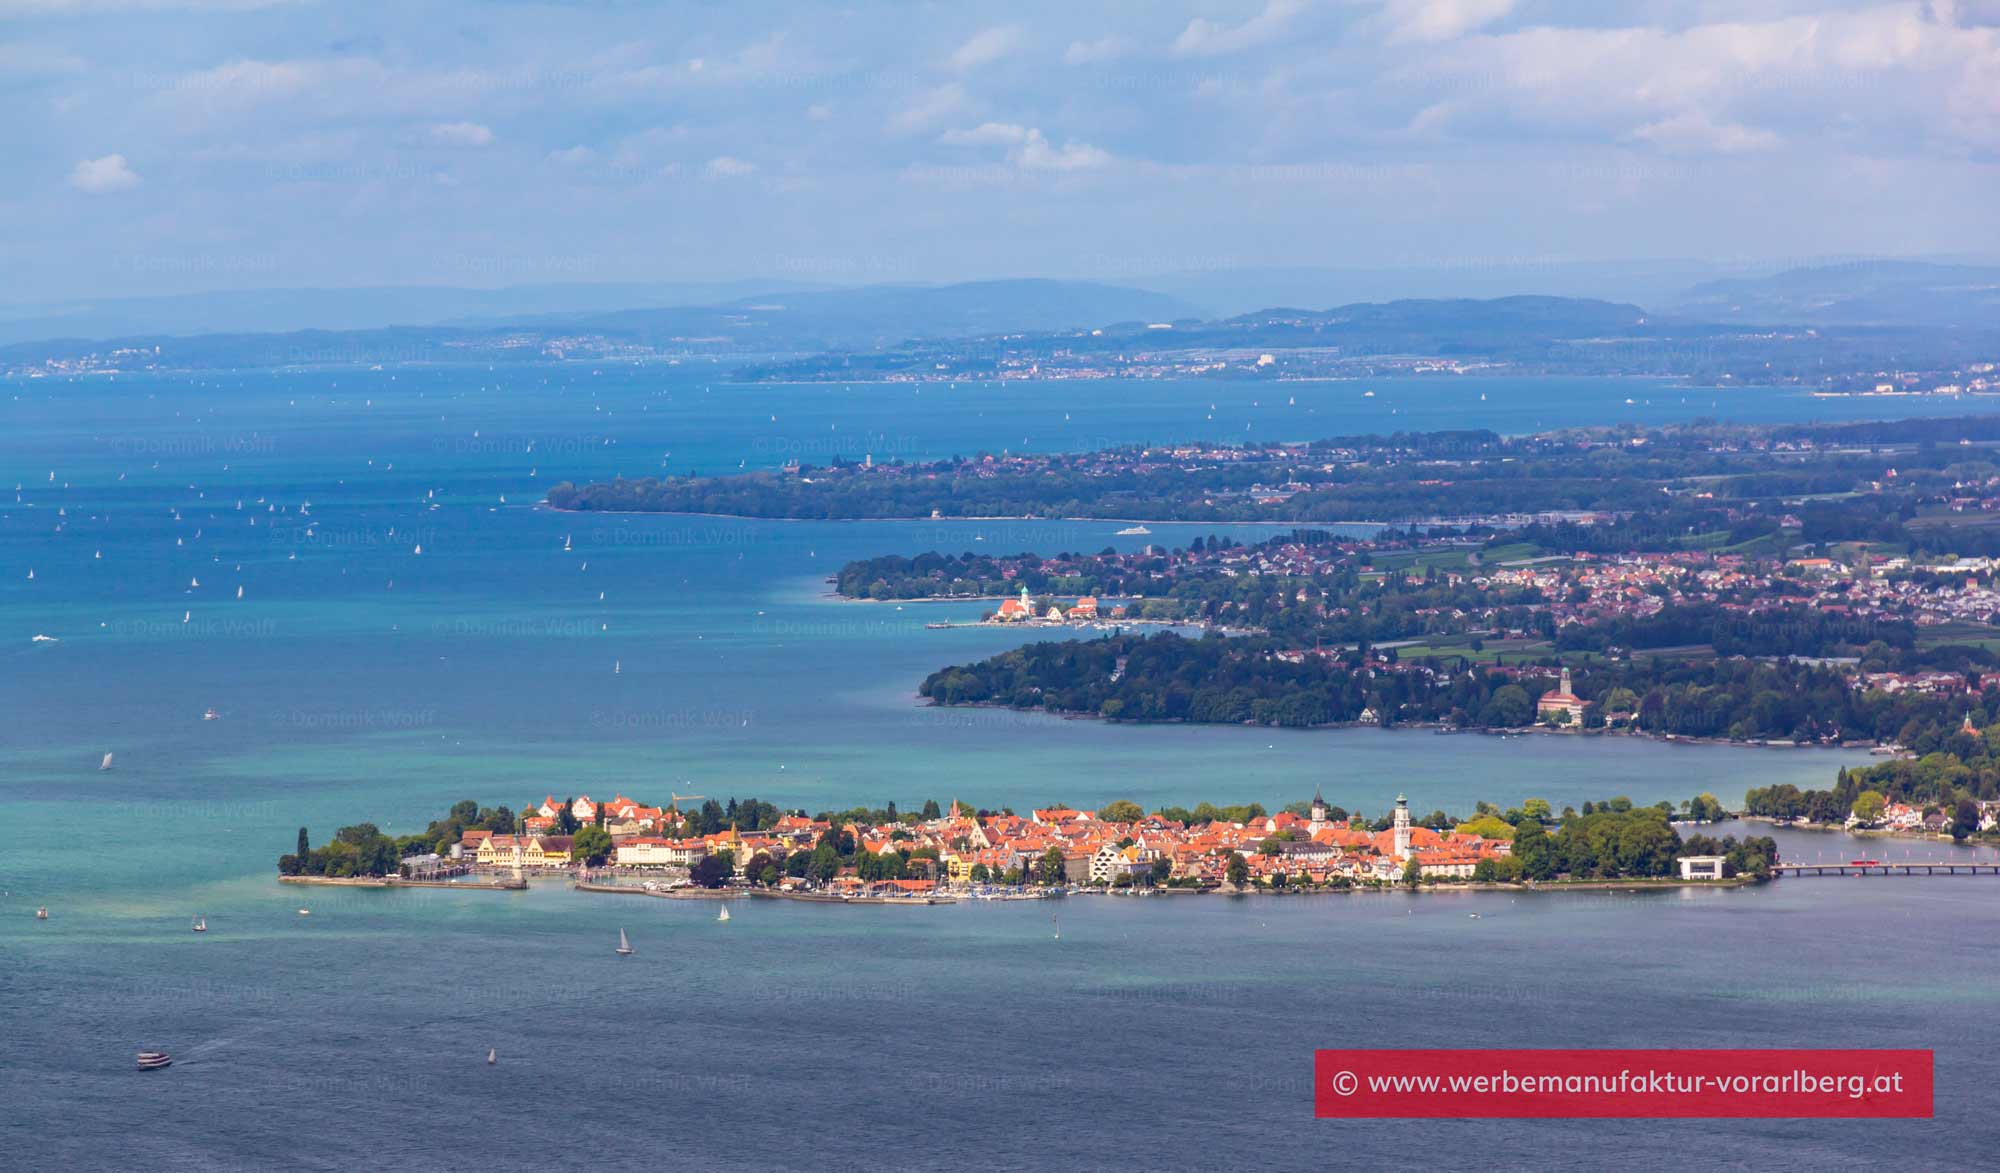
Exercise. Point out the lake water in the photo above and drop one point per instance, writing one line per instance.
(358, 679)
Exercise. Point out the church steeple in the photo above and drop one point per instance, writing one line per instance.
(1402, 827)
(1318, 807)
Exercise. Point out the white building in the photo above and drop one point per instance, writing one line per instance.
(1701, 867)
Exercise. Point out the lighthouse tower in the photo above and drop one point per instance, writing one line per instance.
(1402, 827)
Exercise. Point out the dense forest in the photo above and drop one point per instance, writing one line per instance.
(1666, 484)
(1214, 679)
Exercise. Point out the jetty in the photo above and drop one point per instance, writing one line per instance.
(1878, 868)
(504, 884)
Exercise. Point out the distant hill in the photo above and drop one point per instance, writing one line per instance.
(885, 315)
(1457, 326)
(1228, 292)
(1864, 293)
(796, 321)
(361, 308)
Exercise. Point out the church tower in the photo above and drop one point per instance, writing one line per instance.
(1564, 688)
(1318, 808)
(1402, 827)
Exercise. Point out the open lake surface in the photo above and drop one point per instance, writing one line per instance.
(412, 630)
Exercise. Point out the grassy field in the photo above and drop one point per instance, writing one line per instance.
(1418, 561)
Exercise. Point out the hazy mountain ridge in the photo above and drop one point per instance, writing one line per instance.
(1864, 293)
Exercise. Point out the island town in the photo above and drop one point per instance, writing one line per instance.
(957, 852)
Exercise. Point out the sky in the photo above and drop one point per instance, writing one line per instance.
(159, 146)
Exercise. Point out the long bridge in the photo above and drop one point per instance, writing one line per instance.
(1882, 868)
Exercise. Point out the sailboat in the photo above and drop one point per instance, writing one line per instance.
(722, 914)
(42, 913)
(624, 946)
(1057, 922)
(106, 763)
(492, 1056)
(200, 925)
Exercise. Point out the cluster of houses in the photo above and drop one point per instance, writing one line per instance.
(971, 849)
(1022, 610)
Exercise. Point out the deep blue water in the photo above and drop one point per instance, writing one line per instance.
(359, 679)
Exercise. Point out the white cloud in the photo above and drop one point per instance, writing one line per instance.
(1028, 148)
(108, 174)
(986, 47)
(22, 60)
(1091, 52)
(728, 167)
(986, 133)
(1205, 38)
(458, 134)
(1893, 76)
(1432, 21)
(84, 7)
(1692, 131)
(572, 156)
(930, 108)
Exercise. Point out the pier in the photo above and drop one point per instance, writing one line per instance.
(1938, 868)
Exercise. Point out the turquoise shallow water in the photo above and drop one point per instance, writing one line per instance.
(359, 679)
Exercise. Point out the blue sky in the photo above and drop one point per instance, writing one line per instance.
(160, 146)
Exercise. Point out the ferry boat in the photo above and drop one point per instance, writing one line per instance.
(210, 715)
(154, 1060)
(1132, 531)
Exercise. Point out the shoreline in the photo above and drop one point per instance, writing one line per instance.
(1434, 727)
(544, 504)
(470, 884)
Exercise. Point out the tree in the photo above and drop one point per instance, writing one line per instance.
(1413, 873)
(1509, 708)
(305, 849)
(1533, 848)
(1163, 870)
(1868, 806)
(591, 845)
(825, 863)
(1706, 808)
(759, 864)
(710, 872)
(1121, 811)
(1237, 870)
(1964, 819)
(1487, 827)
(980, 874)
(1049, 869)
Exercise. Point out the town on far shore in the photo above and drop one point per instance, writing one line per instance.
(941, 854)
